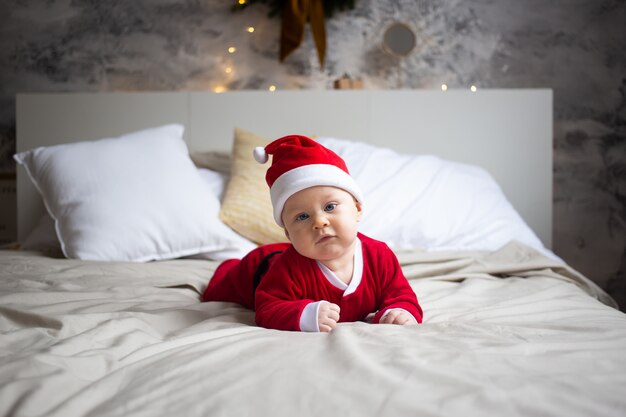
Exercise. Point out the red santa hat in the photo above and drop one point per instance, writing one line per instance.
(298, 163)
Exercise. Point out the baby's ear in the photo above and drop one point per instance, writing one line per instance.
(359, 209)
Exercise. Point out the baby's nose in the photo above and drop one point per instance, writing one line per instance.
(320, 221)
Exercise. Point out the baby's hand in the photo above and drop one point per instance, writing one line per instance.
(397, 316)
(328, 316)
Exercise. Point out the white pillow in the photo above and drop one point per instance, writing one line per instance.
(44, 236)
(137, 197)
(235, 245)
(422, 201)
(216, 181)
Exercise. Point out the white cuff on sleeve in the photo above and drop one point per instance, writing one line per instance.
(308, 319)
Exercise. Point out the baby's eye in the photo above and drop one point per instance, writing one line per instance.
(302, 217)
(330, 206)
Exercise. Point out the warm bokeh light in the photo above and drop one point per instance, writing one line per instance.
(228, 70)
(250, 29)
(444, 87)
(232, 50)
(272, 88)
(242, 2)
(219, 89)
(473, 88)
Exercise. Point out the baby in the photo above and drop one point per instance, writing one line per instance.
(329, 272)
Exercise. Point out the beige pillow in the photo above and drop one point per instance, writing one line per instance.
(246, 206)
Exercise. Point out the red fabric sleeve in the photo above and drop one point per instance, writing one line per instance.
(396, 291)
(233, 279)
(278, 303)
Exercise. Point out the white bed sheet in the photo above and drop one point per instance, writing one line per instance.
(509, 333)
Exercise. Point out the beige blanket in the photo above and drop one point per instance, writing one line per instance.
(509, 333)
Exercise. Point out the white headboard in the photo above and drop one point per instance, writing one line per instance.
(508, 132)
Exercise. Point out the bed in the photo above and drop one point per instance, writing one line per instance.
(122, 226)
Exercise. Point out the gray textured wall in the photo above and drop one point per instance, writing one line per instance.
(575, 47)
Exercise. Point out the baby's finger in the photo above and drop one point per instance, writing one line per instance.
(408, 319)
(327, 324)
(324, 328)
(334, 307)
(333, 315)
(390, 317)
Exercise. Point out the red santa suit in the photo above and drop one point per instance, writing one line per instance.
(289, 293)
(285, 288)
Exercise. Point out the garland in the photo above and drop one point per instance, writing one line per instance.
(276, 6)
(295, 15)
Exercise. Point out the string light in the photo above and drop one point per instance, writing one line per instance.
(473, 88)
(272, 88)
(231, 50)
(242, 2)
(444, 87)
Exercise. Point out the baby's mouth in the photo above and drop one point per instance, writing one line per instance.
(324, 238)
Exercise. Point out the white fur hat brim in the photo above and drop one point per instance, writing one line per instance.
(307, 176)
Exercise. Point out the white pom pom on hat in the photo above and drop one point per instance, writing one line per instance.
(260, 155)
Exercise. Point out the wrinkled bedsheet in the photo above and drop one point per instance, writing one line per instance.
(506, 333)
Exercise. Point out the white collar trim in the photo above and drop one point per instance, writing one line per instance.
(357, 272)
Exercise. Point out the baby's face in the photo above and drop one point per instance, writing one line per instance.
(321, 222)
